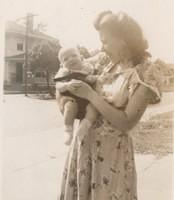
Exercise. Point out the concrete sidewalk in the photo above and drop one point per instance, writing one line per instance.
(34, 164)
(34, 153)
(155, 177)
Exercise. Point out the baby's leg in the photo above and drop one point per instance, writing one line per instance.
(86, 123)
(70, 113)
(91, 113)
(59, 100)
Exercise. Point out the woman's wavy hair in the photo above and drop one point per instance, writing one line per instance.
(128, 29)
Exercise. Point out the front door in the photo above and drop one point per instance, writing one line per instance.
(19, 72)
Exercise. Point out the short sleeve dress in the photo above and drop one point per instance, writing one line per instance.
(101, 166)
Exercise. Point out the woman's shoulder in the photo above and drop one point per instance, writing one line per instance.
(148, 74)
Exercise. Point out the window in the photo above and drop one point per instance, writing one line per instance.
(40, 75)
(20, 46)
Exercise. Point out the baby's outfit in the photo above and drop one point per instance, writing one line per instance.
(66, 75)
(71, 106)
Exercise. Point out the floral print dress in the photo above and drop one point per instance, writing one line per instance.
(101, 165)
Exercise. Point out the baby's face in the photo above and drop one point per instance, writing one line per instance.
(71, 60)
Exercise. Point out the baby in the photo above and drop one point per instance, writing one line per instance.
(72, 107)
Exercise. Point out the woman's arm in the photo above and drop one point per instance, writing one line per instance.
(127, 119)
(122, 120)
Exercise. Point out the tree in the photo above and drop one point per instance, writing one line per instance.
(164, 68)
(43, 57)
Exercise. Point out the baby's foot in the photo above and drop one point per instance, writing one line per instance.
(69, 134)
(69, 139)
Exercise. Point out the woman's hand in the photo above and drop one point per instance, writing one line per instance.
(80, 89)
(61, 87)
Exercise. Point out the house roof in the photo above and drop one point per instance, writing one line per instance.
(18, 57)
(15, 28)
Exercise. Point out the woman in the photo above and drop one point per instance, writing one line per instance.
(100, 164)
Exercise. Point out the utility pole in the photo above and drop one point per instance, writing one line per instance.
(26, 54)
(26, 60)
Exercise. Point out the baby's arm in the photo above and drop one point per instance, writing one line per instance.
(61, 86)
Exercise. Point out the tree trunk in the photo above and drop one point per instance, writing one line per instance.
(48, 84)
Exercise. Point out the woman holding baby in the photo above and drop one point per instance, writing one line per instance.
(100, 164)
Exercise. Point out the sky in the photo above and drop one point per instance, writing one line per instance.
(71, 21)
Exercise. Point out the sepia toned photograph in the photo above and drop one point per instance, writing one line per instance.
(87, 100)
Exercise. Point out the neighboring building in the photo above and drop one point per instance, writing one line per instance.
(15, 50)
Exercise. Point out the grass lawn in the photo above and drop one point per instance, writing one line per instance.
(154, 136)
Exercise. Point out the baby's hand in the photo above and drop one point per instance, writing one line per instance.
(109, 98)
(91, 78)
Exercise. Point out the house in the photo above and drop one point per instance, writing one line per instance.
(15, 37)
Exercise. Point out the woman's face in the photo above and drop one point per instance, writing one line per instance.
(113, 45)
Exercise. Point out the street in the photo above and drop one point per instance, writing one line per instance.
(34, 152)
